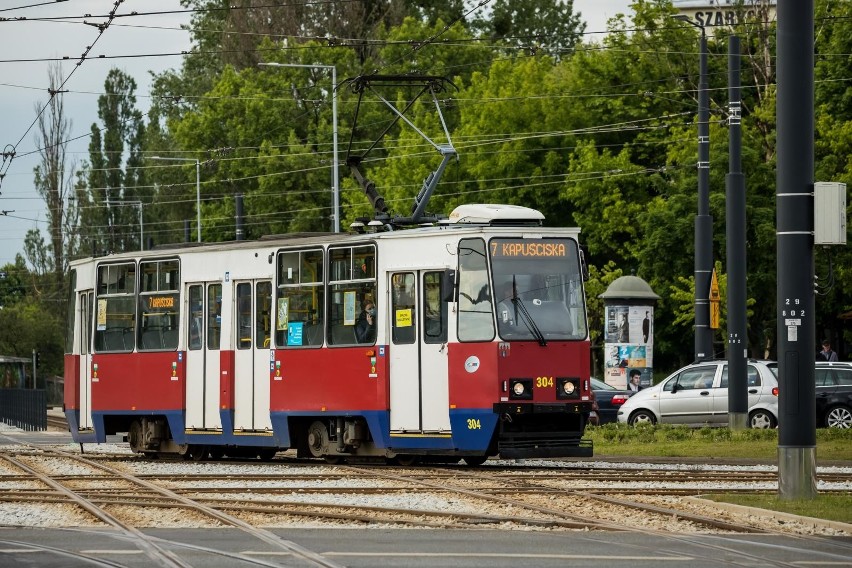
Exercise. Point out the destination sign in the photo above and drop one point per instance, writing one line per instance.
(528, 249)
(159, 302)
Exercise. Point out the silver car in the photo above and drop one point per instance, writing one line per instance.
(698, 395)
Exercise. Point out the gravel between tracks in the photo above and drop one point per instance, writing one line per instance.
(46, 515)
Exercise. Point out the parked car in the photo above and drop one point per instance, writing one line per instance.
(698, 395)
(833, 395)
(609, 400)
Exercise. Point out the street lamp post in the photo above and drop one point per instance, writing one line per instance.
(703, 221)
(335, 182)
(197, 186)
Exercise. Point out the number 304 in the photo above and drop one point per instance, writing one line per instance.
(473, 424)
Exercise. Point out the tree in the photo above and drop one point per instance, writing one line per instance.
(113, 176)
(53, 181)
(549, 24)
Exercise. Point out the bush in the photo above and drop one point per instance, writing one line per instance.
(670, 433)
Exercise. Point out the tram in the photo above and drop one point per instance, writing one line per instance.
(479, 344)
(412, 337)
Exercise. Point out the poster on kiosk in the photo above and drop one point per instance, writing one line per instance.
(629, 346)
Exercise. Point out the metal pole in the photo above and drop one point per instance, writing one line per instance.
(198, 196)
(736, 248)
(34, 369)
(703, 221)
(141, 229)
(795, 241)
(335, 179)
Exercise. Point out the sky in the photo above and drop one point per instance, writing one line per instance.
(23, 84)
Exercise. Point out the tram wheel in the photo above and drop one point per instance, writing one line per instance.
(474, 461)
(217, 452)
(333, 460)
(198, 452)
(317, 439)
(135, 437)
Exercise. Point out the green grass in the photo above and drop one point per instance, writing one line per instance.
(714, 443)
(831, 507)
(722, 443)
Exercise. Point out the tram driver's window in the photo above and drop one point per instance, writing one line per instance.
(476, 322)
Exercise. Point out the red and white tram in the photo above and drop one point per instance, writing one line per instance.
(478, 345)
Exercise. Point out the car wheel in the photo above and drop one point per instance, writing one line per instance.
(761, 419)
(838, 417)
(642, 417)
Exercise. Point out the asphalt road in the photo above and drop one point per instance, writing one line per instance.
(372, 548)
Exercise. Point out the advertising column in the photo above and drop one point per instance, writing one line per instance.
(629, 333)
(629, 346)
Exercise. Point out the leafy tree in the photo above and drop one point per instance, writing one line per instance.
(109, 185)
(31, 324)
(550, 24)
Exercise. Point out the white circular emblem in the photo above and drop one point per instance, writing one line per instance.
(471, 364)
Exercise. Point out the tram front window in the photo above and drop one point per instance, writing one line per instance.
(538, 289)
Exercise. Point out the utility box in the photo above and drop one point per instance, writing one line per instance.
(829, 213)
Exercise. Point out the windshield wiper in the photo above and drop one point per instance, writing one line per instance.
(521, 309)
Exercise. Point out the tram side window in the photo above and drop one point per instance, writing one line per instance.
(116, 308)
(263, 314)
(196, 317)
(70, 322)
(300, 299)
(214, 316)
(244, 315)
(403, 308)
(434, 310)
(352, 287)
(159, 305)
(476, 322)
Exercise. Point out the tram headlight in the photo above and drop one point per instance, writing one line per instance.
(567, 388)
(521, 389)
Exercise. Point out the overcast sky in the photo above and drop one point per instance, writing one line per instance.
(23, 84)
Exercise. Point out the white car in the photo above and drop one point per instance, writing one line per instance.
(698, 395)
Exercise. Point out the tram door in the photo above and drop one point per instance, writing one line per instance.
(85, 302)
(419, 392)
(203, 333)
(252, 318)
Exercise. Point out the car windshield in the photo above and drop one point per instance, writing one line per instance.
(598, 384)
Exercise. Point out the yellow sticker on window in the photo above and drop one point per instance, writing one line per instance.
(403, 318)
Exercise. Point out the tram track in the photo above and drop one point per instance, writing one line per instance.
(161, 556)
(290, 492)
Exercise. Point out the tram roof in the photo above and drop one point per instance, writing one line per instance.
(301, 239)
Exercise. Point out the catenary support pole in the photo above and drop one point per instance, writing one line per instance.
(736, 250)
(795, 242)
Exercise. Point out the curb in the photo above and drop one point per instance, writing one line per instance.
(777, 515)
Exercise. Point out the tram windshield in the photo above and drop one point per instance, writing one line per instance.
(538, 289)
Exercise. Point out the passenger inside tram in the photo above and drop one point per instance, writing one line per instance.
(365, 327)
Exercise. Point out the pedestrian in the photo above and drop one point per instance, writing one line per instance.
(827, 354)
